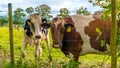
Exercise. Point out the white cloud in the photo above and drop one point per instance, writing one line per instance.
(71, 5)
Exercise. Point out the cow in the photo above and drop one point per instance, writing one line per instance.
(97, 15)
(77, 35)
(35, 31)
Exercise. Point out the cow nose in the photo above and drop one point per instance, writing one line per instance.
(56, 41)
(37, 36)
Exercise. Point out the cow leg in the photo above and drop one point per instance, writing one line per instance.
(75, 54)
(76, 58)
(24, 49)
(48, 42)
(38, 51)
(48, 46)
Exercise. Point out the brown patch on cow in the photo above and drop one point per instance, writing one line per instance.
(68, 20)
(54, 20)
(105, 28)
(72, 41)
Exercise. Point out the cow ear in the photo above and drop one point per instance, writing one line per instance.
(28, 22)
(68, 27)
(46, 25)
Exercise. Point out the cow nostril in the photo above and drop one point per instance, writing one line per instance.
(56, 41)
(38, 37)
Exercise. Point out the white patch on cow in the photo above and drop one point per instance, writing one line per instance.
(43, 33)
(71, 55)
(108, 49)
(37, 30)
(80, 22)
(57, 22)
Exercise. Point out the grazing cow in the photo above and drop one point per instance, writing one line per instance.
(35, 31)
(78, 35)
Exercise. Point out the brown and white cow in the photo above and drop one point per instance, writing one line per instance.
(34, 32)
(78, 35)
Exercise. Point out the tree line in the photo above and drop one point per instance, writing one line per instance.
(44, 10)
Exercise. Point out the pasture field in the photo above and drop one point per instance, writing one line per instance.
(59, 60)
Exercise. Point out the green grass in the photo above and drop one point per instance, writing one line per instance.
(59, 60)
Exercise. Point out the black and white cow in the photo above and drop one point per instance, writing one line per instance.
(35, 30)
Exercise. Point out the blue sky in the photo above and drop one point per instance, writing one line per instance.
(55, 5)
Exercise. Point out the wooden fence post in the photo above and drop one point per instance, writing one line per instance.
(11, 33)
(113, 35)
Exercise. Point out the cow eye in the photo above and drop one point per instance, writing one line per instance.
(68, 25)
(46, 25)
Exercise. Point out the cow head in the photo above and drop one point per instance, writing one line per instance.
(58, 27)
(34, 25)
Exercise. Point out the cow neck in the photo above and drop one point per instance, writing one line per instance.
(70, 36)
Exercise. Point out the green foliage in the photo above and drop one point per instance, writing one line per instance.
(118, 40)
(39, 63)
(43, 10)
(100, 3)
(18, 16)
(103, 43)
(106, 5)
(99, 33)
(63, 12)
(71, 64)
(118, 34)
(83, 11)
(29, 10)
(118, 54)
(3, 20)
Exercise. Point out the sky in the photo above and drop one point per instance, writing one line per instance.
(71, 5)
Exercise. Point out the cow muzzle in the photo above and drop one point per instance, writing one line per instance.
(56, 44)
(37, 37)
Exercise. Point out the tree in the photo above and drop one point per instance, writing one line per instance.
(29, 10)
(113, 35)
(3, 20)
(43, 10)
(18, 16)
(83, 11)
(63, 12)
(106, 5)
